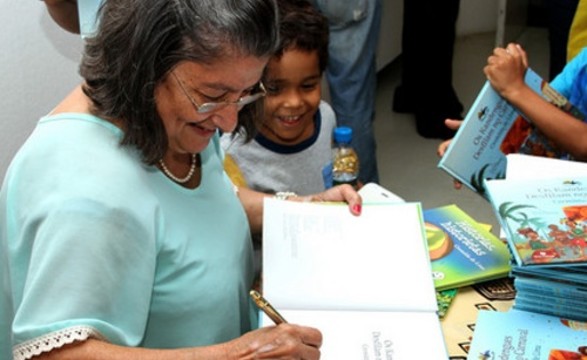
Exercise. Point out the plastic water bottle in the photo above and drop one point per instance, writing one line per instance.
(345, 162)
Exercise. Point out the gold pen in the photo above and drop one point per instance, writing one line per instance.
(267, 308)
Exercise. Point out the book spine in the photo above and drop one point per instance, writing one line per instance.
(549, 288)
(552, 274)
(550, 300)
(573, 313)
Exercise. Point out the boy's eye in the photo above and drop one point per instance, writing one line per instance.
(310, 86)
(272, 88)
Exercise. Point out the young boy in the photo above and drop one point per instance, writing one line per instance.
(292, 151)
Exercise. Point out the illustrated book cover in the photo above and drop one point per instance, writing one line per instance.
(462, 251)
(519, 334)
(492, 129)
(545, 220)
(364, 281)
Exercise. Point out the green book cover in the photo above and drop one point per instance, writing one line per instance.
(462, 251)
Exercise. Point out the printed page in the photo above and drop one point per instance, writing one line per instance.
(320, 256)
(374, 335)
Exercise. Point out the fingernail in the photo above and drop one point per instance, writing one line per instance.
(357, 208)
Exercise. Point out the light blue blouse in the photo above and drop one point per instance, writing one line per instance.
(93, 243)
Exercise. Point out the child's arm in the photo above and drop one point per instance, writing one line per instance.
(505, 71)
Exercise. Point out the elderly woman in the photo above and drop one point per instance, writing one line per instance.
(121, 236)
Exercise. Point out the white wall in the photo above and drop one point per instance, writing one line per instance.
(477, 16)
(38, 67)
(39, 62)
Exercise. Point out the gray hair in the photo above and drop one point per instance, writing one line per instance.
(139, 41)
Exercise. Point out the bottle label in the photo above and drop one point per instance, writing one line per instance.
(327, 175)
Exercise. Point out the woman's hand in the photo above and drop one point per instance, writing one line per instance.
(344, 193)
(441, 150)
(253, 202)
(284, 341)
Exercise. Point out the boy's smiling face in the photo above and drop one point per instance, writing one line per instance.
(293, 84)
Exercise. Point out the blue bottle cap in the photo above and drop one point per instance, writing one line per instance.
(343, 134)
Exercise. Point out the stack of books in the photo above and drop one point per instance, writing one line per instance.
(545, 224)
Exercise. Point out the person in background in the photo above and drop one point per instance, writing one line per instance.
(426, 90)
(505, 71)
(121, 236)
(560, 14)
(352, 73)
(578, 31)
(64, 13)
(77, 18)
(293, 148)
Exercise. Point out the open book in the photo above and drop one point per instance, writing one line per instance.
(364, 281)
(492, 129)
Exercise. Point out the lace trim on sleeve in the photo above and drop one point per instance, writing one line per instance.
(53, 341)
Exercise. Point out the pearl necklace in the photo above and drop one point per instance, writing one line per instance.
(188, 177)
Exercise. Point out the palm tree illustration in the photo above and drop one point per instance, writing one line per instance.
(478, 178)
(512, 212)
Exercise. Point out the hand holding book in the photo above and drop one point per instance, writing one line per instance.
(513, 113)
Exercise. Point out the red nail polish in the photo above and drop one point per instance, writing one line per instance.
(357, 208)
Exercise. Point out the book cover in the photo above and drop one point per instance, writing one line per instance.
(462, 251)
(492, 129)
(363, 281)
(524, 335)
(545, 220)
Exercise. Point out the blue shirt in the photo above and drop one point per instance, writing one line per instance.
(572, 81)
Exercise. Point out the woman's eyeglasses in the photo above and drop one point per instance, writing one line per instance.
(209, 107)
